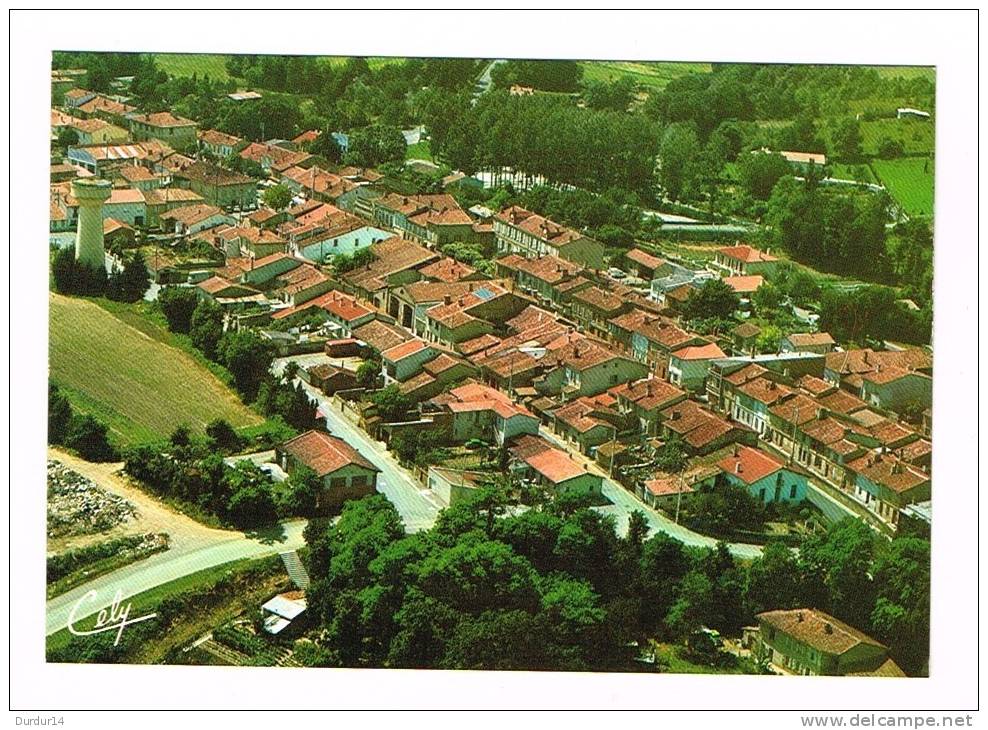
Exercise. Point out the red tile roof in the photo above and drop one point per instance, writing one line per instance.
(818, 630)
(744, 284)
(405, 349)
(555, 465)
(599, 299)
(325, 454)
(162, 119)
(338, 303)
(889, 471)
(810, 339)
(764, 390)
(448, 270)
(699, 352)
(749, 465)
(649, 394)
(538, 226)
(644, 259)
(745, 253)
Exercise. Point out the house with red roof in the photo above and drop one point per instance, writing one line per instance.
(688, 365)
(886, 484)
(544, 277)
(589, 421)
(644, 265)
(342, 310)
(701, 431)
(745, 260)
(345, 473)
(897, 388)
(670, 491)
(651, 337)
(405, 360)
(819, 342)
(765, 477)
(478, 411)
(523, 232)
(576, 365)
(538, 461)
(163, 126)
(643, 400)
(594, 307)
(807, 641)
(433, 219)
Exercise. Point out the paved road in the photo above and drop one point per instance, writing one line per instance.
(623, 503)
(193, 546)
(168, 566)
(417, 506)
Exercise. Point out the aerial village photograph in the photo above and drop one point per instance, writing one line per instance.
(503, 364)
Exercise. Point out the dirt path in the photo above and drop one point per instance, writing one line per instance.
(152, 514)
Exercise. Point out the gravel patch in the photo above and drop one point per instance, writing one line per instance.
(77, 506)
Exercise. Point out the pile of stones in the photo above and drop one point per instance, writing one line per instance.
(77, 506)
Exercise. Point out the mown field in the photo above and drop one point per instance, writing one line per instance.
(186, 64)
(142, 387)
(916, 135)
(651, 74)
(909, 181)
(214, 64)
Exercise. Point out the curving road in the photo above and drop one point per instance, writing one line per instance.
(193, 546)
(165, 567)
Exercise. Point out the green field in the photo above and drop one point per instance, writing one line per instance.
(651, 74)
(908, 183)
(186, 64)
(419, 151)
(907, 72)
(916, 135)
(214, 64)
(142, 387)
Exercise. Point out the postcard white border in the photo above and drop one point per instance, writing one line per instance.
(946, 40)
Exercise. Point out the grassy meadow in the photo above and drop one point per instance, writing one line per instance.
(142, 387)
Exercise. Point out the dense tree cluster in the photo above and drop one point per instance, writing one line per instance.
(555, 75)
(191, 469)
(556, 588)
(81, 432)
(613, 216)
(72, 277)
(178, 303)
(714, 299)
(543, 136)
(290, 402)
(374, 145)
(873, 312)
(837, 232)
(776, 91)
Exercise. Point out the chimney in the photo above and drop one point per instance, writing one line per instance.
(799, 617)
(675, 415)
(447, 299)
(737, 451)
(828, 628)
(737, 468)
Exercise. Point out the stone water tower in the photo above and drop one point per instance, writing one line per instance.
(91, 194)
